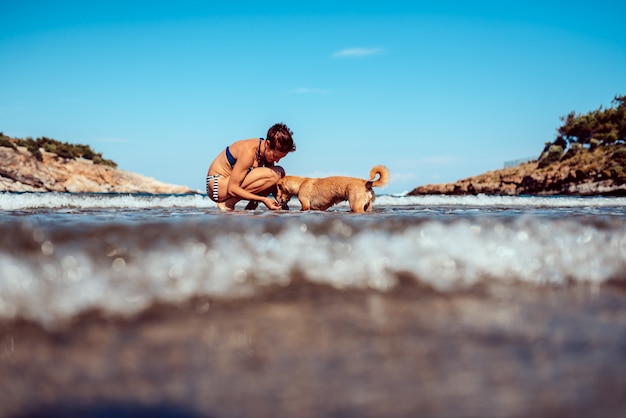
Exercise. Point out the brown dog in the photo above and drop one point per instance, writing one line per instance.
(322, 193)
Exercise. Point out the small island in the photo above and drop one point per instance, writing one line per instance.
(48, 165)
(587, 158)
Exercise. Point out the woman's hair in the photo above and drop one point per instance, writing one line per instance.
(280, 138)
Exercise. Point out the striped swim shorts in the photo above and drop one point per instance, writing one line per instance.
(215, 195)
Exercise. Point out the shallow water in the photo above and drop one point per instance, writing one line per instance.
(505, 306)
(61, 254)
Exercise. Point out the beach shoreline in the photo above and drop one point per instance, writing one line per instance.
(311, 350)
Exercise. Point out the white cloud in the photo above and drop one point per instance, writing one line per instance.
(357, 52)
(400, 176)
(307, 90)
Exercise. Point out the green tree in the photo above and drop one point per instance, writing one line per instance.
(61, 149)
(608, 126)
(620, 116)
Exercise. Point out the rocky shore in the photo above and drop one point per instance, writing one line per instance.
(22, 172)
(600, 172)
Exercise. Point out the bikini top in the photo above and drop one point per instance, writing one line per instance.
(232, 160)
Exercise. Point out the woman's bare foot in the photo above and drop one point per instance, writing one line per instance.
(224, 207)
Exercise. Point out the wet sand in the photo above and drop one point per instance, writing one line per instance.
(310, 351)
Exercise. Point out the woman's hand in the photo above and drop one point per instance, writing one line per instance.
(271, 204)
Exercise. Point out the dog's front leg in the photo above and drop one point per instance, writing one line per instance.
(306, 204)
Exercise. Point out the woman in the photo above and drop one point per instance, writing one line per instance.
(245, 170)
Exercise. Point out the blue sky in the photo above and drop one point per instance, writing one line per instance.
(435, 90)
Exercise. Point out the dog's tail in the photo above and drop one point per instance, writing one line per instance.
(383, 176)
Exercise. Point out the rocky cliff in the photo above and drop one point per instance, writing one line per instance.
(601, 171)
(20, 171)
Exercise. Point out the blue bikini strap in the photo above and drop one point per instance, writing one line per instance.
(231, 160)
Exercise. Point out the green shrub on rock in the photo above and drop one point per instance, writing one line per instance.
(619, 156)
(574, 149)
(553, 155)
(5, 142)
(61, 149)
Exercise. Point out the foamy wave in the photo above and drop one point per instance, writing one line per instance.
(50, 273)
(500, 201)
(25, 201)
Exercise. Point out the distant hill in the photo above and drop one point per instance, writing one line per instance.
(601, 171)
(46, 165)
(588, 157)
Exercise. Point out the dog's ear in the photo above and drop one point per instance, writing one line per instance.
(281, 188)
(284, 185)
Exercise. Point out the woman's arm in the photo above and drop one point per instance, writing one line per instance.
(245, 160)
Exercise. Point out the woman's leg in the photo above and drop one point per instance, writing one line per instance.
(261, 181)
(224, 203)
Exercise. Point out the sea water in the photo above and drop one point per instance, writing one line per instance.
(62, 254)
(431, 306)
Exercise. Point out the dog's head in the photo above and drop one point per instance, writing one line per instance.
(286, 188)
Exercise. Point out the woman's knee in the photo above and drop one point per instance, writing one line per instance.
(280, 172)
